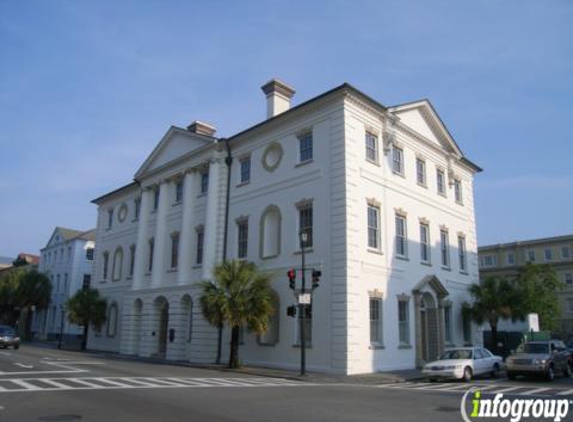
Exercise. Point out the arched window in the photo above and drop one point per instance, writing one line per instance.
(112, 320)
(270, 242)
(117, 264)
(271, 337)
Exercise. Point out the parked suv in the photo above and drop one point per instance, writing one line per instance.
(8, 337)
(545, 358)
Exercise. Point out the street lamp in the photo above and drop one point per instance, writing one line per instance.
(301, 306)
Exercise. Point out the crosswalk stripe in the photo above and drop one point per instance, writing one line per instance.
(537, 390)
(84, 382)
(505, 390)
(112, 382)
(565, 393)
(161, 382)
(54, 383)
(26, 384)
(139, 382)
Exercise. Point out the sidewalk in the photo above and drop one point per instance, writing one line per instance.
(311, 377)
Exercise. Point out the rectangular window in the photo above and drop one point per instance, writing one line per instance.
(58, 285)
(174, 250)
(179, 191)
(150, 258)
(87, 281)
(401, 236)
(421, 171)
(375, 320)
(448, 323)
(65, 283)
(404, 322)
(137, 202)
(156, 199)
(373, 227)
(565, 252)
(458, 191)
(467, 330)
(548, 254)
(569, 305)
(490, 261)
(105, 264)
(69, 253)
(531, 256)
(90, 254)
(398, 160)
(109, 218)
(445, 248)
(305, 146)
(462, 254)
(305, 222)
(204, 181)
(242, 238)
(568, 277)
(131, 259)
(245, 169)
(441, 181)
(371, 147)
(424, 242)
(200, 237)
(510, 259)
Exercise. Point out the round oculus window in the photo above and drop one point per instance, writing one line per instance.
(122, 213)
(272, 156)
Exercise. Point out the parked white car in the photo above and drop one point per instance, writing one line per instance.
(464, 363)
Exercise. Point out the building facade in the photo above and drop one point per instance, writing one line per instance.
(67, 260)
(384, 195)
(506, 259)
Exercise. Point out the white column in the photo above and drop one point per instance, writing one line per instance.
(211, 220)
(141, 248)
(187, 236)
(160, 240)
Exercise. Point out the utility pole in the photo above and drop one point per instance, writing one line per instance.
(302, 309)
(61, 329)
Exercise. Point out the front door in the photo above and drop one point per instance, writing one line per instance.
(163, 323)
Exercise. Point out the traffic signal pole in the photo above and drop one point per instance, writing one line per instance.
(301, 309)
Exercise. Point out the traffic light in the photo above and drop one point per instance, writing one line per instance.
(291, 311)
(291, 278)
(316, 274)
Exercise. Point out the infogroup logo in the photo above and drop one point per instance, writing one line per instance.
(513, 409)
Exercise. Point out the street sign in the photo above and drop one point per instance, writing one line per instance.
(304, 298)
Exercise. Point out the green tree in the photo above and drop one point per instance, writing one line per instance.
(34, 289)
(538, 286)
(239, 296)
(87, 308)
(9, 307)
(492, 299)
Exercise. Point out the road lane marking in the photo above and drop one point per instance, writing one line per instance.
(83, 382)
(112, 382)
(565, 393)
(55, 383)
(537, 390)
(505, 390)
(21, 365)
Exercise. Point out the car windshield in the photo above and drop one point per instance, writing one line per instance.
(6, 331)
(457, 354)
(536, 348)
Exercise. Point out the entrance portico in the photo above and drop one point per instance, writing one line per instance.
(429, 295)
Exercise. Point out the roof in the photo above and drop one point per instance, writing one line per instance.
(531, 242)
(68, 234)
(114, 192)
(30, 258)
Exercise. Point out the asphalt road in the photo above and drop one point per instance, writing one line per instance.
(48, 385)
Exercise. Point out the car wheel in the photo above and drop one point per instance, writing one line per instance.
(567, 371)
(467, 377)
(495, 370)
(511, 375)
(550, 374)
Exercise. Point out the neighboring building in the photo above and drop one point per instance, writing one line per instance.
(505, 259)
(384, 194)
(67, 260)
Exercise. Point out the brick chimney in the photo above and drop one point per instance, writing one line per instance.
(202, 128)
(278, 95)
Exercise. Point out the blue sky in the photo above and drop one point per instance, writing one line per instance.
(87, 89)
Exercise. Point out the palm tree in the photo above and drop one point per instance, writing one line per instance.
(239, 296)
(35, 290)
(493, 298)
(86, 308)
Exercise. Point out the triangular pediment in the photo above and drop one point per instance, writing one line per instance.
(434, 283)
(176, 143)
(421, 117)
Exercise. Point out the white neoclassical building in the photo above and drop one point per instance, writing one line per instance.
(384, 193)
(67, 260)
